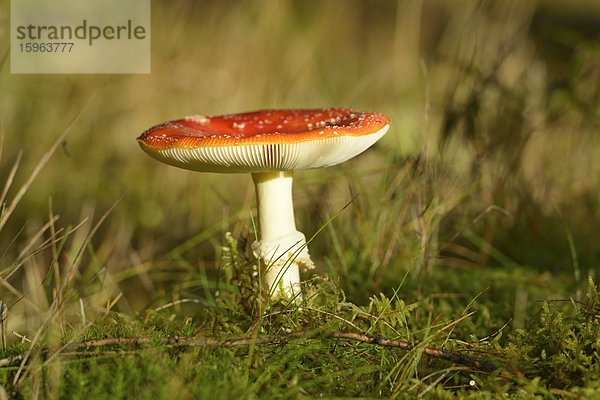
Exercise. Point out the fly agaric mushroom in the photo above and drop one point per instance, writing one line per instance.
(270, 144)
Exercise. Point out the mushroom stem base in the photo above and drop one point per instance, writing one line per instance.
(282, 260)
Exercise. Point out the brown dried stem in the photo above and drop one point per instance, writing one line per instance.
(267, 339)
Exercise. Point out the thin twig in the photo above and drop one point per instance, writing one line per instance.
(266, 339)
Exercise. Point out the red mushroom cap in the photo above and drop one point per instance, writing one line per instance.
(268, 140)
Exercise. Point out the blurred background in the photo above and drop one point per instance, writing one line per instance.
(490, 171)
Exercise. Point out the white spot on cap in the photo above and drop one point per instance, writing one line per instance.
(201, 119)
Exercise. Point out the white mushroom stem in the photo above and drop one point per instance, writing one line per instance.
(281, 249)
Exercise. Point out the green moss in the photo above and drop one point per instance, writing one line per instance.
(556, 355)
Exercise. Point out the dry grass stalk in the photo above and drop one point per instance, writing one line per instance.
(3, 323)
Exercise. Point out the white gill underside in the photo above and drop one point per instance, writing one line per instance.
(269, 157)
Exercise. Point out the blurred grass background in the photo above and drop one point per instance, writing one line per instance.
(493, 104)
(489, 177)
